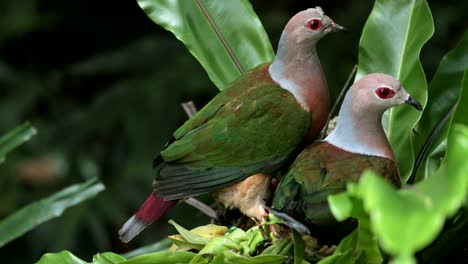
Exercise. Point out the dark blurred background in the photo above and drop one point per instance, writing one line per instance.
(103, 85)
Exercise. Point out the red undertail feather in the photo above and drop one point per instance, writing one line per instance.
(152, 209)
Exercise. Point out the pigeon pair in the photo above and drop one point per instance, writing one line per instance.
(235, 144)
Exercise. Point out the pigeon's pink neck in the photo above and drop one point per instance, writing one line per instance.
(297, 69)
(360, 130)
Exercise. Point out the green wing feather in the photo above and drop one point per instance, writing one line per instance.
(253, 132)
(255, 77)
(319, 171)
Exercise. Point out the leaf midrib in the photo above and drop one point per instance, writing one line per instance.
(218, 33)
(390, 119)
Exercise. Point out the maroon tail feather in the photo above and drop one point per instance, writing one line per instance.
(152, 209)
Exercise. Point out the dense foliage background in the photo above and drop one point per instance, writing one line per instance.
(103, 86)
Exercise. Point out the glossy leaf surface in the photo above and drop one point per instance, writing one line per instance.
(444, 90)
(66, 257)
(205, 27)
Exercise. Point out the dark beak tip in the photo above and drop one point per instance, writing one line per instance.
(414, 104)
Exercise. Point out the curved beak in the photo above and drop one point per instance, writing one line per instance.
(413, 103)
(335, 28)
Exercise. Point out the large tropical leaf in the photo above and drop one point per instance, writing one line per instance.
(205, 27)
(390, 43)
(166, 257)
(48, 208)
(461, 112)
(161, 245)
(444, 90)
(66, 257)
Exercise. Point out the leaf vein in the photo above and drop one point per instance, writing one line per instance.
(400, 65)
(218, 32)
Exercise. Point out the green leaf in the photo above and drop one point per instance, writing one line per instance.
(63, 257)
(444, 90)
(15, 138)
(204, 26)
(299, 247)
(238, 236)
(255, 239)
(279, 247)
(45, 209)
(341, 205)
(182, 244)
(193, 239)
(398, 230)
(234, 258)
(461, 112)
(197, 237)
(166, 257)
(162, 245)
(217, 245)
(107, 258)
(400, 237)
(449, 186)
(391, 42)
(361, 245)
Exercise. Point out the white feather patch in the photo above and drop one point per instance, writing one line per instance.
(275, 71)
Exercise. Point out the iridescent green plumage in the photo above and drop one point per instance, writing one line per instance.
(239, 133)
(321, 170)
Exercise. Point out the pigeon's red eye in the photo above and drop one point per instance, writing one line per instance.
(314, 24)
(384, 93)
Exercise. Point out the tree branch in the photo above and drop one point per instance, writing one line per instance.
(190, 109)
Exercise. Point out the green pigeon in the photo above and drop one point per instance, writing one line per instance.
(357, 143)
(245, 133)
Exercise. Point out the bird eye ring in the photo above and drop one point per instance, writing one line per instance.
(314, 24)
(384, 93)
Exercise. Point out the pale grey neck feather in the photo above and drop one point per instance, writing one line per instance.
(293, 62)
(276, 73)
(349, 133)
